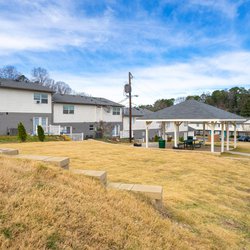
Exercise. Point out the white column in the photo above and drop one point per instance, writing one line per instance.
(212, 137)
(175, 134)
(146, 135)
(163, 130)
(227, 136)
(204, 130)
(235, 138)
(178, 132)
(222, 136)
(147, 130)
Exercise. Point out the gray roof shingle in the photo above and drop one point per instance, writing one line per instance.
(75, 99)
(191, 110)
(14, 84)
(136, 112)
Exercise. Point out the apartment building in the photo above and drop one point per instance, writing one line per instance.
(24, 102)
(84, 114)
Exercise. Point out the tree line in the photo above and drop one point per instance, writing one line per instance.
(235, 100)
(39, 76)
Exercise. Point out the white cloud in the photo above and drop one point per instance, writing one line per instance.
(48, 26)
(165, 81)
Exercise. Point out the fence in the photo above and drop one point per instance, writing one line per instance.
(76, 136)
(52, 129)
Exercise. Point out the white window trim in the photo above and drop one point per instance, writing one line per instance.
(41, 98)
(68, 109)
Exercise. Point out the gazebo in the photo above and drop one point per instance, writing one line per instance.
(192, 111)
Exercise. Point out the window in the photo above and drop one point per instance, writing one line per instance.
(116, 111)
(68, 109)
(91, 127)
(40, 98)
(185, 124)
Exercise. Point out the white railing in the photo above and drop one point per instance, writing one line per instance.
(76, 136)
(52, 129)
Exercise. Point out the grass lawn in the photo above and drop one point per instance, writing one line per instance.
(243, 147)
(205, 195)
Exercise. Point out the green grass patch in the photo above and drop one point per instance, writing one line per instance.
(14, 139)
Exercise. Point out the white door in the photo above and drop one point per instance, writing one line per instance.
(42, 121)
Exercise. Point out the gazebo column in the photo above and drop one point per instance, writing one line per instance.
(175, 134)
(235, 136)
(147, 130)
(163, 125)
(204, 131)
(227, 136)
(222, 136)
(212, 136)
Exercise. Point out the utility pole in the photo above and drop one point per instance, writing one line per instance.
(130, 76)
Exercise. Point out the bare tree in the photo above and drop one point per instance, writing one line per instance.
(62, 88)
(9, 72)
(79, 93)
(41, 76)
(180, 99)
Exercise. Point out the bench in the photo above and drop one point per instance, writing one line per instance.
(151, 191)
(9, 151)
(99, 175)
(62, 162)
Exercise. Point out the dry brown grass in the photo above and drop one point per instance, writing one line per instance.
(243, 147)
(206, 196)
(42, 207)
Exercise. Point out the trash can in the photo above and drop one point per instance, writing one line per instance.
(162, 143)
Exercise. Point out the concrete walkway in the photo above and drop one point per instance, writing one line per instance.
(238, 153)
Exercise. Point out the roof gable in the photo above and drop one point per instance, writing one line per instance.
(136, 112)
(21, 85)
(83, 100)
(192, 110)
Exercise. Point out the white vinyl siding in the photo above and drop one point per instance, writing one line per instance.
(84, 113)
(22, 101)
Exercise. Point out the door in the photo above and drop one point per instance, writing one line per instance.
(42, 121)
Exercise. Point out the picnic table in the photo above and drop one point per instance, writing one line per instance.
(190, 143)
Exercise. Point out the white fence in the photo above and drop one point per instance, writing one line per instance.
(52, 129)
(76, 136)
(58, 130)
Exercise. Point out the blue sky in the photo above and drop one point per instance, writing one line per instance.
(173, 48)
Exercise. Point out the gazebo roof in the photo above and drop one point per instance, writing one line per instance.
(192, 110)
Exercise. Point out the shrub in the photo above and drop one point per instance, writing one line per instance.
(22, 134)
(156, 138)
(66, 138)
(181, 139)
(40, 133)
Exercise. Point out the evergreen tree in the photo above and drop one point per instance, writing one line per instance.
(22, 134)
(40, 133)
